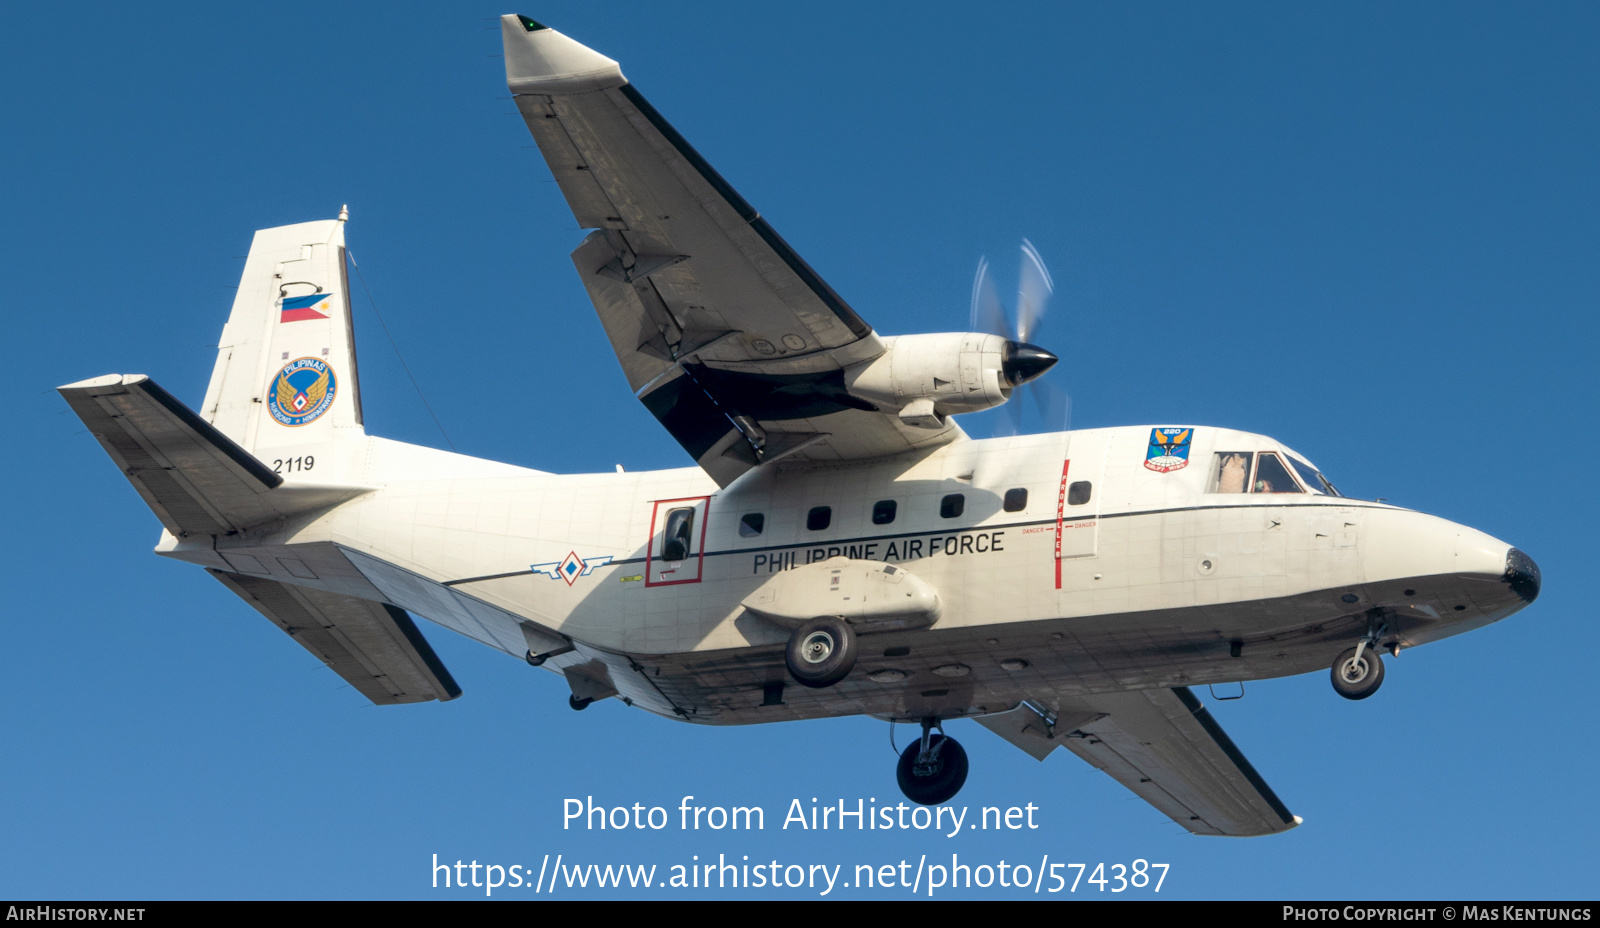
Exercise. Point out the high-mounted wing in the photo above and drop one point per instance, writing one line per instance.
(726, 335)
(1165, 746)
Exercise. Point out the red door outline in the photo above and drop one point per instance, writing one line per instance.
(700, 549)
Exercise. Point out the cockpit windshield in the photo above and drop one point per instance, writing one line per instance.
(1271, 477)
(1313, 478)
(1264, 472)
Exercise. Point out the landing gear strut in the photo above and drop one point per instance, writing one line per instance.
(821, 652)
(1358, 672)
(932, 768)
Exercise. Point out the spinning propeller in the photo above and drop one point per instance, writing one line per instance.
(1024, 363)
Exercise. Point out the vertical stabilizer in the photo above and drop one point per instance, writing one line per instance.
(285, 381)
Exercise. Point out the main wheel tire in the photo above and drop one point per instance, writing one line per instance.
(937, 781)
(1357, 679)
(579, 704)
(534, 660)
(821, 652)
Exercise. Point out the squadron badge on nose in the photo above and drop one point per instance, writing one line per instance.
(1169, 450)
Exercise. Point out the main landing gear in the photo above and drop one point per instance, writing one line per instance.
(932, 768)
(821, 652)
(1358, 672)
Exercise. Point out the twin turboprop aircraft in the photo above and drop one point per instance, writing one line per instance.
(841, 546)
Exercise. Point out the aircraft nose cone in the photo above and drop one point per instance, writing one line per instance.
(1522, 575)
(1022, 362)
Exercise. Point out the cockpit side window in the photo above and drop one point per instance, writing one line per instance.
(1230, 472)
(1273, 477)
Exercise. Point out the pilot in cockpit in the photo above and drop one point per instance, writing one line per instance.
(1232, 471)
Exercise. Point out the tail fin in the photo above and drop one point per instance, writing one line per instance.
(285, 382)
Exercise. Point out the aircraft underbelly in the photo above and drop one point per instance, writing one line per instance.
(971, 671)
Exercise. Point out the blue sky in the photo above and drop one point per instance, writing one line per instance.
(1366, 230)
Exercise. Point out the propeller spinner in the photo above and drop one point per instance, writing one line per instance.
(1023, 363)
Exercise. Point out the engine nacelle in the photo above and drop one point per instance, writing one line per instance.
(925, 378)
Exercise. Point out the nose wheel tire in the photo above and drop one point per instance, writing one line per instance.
(821, 652)
(1358, 678)
(935, 778)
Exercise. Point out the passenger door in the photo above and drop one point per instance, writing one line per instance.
(677, 541)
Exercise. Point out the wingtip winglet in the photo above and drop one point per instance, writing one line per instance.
(541, 60)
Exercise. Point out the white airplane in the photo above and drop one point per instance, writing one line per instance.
(842, 547)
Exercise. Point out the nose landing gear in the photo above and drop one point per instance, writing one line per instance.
(1358, 672)
(933, 768)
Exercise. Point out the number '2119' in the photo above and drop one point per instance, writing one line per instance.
(290, 465)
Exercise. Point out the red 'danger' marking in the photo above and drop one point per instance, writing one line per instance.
(1061, 508)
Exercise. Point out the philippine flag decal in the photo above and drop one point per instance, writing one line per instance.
(301, 308)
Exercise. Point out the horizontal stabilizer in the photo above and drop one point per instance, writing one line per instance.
(373, 646)
(196, 479)
(1165, 746)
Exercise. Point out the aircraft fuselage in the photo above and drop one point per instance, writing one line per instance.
(1062, 562)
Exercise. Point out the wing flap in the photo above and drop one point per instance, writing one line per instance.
(375, 647)
(1166, 747)
(1025, 728)
(196, 479)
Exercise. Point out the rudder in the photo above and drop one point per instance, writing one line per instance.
(285, 385)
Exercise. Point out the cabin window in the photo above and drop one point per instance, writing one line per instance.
(751, 524)
(1079, 493)
(1272, 476)
(883, 511)
(819, 518)
(675, 539)
(1016, 500)
(952, 506)
(1230, 472)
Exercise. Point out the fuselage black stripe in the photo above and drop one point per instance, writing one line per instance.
(954, 530)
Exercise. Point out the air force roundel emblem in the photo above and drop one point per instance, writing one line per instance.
(1169, 450)
(302, 391)
(571, 567)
